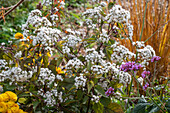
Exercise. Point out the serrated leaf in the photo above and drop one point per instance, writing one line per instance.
(100, 90)
(140, 108)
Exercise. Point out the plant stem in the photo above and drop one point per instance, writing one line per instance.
(151, 96)
(154, 73)
(143, 21)
(15, 6)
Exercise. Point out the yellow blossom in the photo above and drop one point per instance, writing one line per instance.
(59, 71)
(8, 111)
(4, 97)
(20, 111)
(3, 107)
(48, 54)
(19, 36)
(15, 108)
(13, 96)
(10, 104)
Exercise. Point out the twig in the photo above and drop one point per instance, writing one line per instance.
(14, 7)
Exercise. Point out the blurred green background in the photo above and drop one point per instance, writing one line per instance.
(16, 18)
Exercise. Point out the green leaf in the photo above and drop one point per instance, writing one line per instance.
(140, 108)
(59, 60)
(79, 94)
(35, 104)
(113, 108)
(89, 66)
(45, 60)
(100, 90)
(154, 109)
(98, 107)
(90, 85)
(75, 15)
(111, 4)
(22, 100)
(105, 101)
(85, 99)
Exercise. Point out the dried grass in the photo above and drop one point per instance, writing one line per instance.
(157, 14)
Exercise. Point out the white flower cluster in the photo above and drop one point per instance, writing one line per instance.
(50, 97)
(94, 13)
(121, 53)
(62, 4)
(139, 44)
(118, 14)
(103, 4)
(71, 40)
(145, 55)
(80, 81)
(103, 83)
(65, 49)
(123, 77)
(3, 64)
(74, 63)
(93, 56)
(97, 69)
(90, 24)
(49, 2)
(46, 77)
(15, 74)
(95, 98)
(18, 54)
(104, 37)
(140, 79)
(59, 77)
(46, 36)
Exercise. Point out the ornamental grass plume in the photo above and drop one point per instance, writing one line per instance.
(157, 14)
(7, 103)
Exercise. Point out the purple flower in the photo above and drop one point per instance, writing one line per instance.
(128, 66)
(145, 86)
(144, 73)
(155, 58)
(109, 91)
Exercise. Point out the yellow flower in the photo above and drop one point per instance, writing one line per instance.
(15, 108)
(59, 70)
(8, 111)
(4, 97)
(48, 54)
(20, 111)
(10, 104)
(19, 36)
(12, 96)
(3, 107)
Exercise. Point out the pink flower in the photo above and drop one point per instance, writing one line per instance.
(155, 58)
